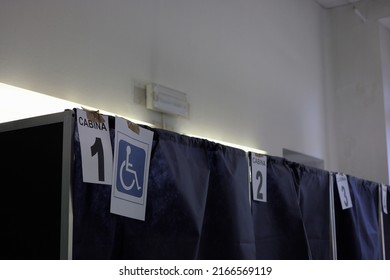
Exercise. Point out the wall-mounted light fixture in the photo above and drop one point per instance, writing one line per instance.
(166, 100)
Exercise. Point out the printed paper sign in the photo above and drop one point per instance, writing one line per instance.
(345, 195)
(133, 146)
(384, 198)
(259, 176)
(96, 149)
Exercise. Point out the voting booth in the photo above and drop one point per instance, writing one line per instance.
(36, 158)
(81, 185)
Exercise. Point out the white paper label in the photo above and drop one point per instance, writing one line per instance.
(131, 170)
(259, 177)
(96, 149)
(384, 198)
(345, 195)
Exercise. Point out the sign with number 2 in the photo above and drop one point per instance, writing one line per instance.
(259, 177)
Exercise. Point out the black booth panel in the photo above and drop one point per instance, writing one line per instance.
(278, 224)
(30, 207)
(357, 228)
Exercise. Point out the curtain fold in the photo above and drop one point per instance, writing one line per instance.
(314, 203)
(227, 231)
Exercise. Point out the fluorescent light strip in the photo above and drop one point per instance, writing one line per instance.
(245, 148)
(18, 103)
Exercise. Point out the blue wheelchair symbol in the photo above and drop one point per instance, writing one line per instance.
(130, 171)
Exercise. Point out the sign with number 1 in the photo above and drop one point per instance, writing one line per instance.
(95, 144)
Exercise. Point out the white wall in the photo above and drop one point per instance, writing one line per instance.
(357, 145)
(252, 69)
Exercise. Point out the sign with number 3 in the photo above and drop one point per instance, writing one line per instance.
(345, 195)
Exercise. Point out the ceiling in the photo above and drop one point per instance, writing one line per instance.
(328, 4)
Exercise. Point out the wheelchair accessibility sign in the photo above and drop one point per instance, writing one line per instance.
(129, 177)
(131, 170)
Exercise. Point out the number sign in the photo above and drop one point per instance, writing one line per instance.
(384, 198)
(95, 144)
(259, 176)
(345, 195)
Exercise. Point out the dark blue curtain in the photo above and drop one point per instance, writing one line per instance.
(196, 209)
(357, 228)
(227, 228)
(314, 202)
(278, 224)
